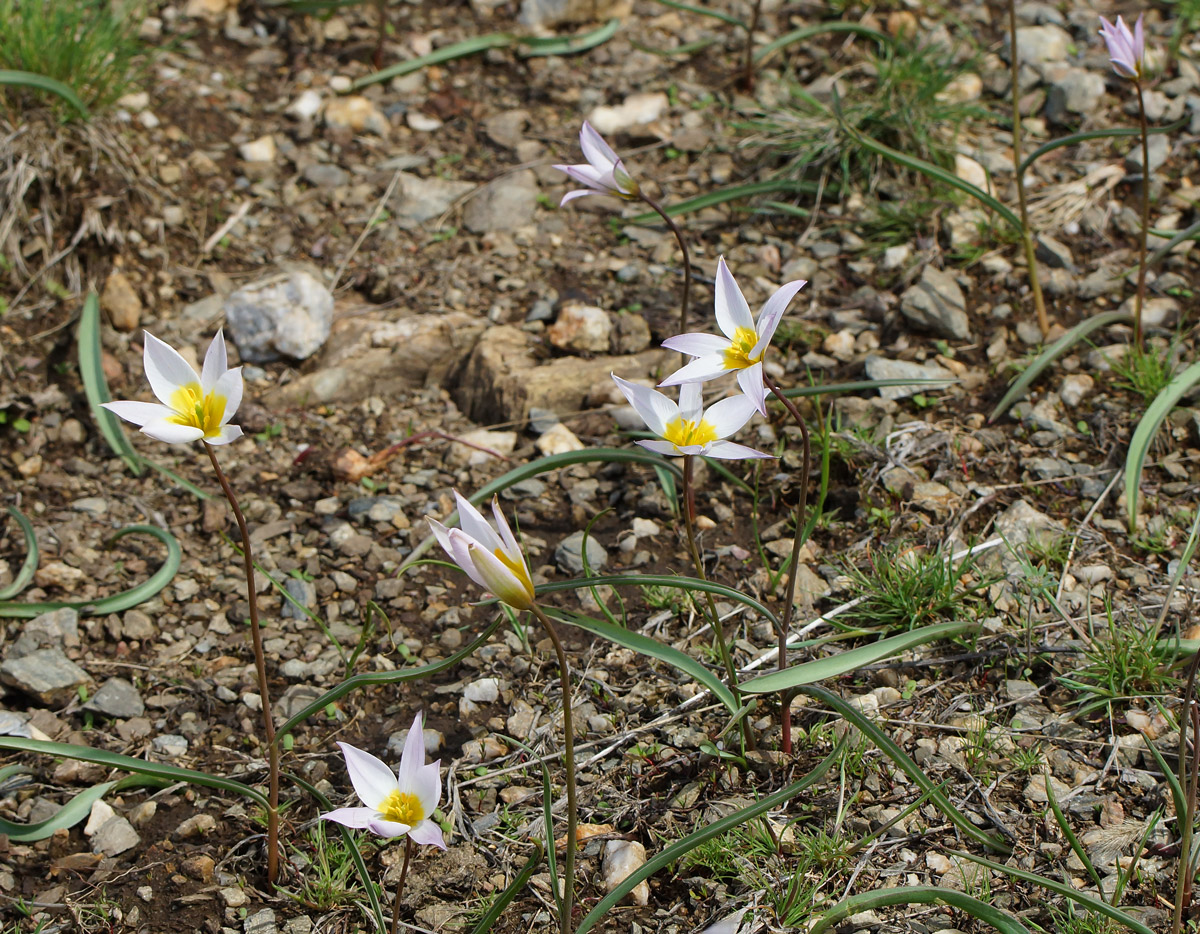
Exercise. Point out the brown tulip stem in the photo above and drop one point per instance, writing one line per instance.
(408, 848)
(748, 56)
(564, 673)
(1142, 245)
(260, 668)
(687, 261)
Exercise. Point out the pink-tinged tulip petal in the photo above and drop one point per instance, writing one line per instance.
(460, 553)
(772, 313)
(666, 448)
(216, 363)
(699, 370)
(139, 413)
(413, 757)
(655, 409)
(166, 369)
(572, 195)
(441, 533)
(696, 344)
(507, 539)
(728, 450)
(226, 434)
(388, 828)
(428, 833)
(596, 179)
(164, 429)
(731, 308)
(1126, 50)
(728, 416)
(358, 818)
(595, 149)
(373, 781)
(751, 382)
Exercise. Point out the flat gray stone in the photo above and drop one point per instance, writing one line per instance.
(505, 204)
(56, 629)
(115, 837)
(883, 368)
(418, 200)
(261, 922)
(1037, 45)
(46, 674)
(936, 303)
(117, 698)
(1074, 92)
(285, 315)
(569, 553)
(325, 175)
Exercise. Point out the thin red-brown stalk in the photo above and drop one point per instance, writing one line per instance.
(1141, 283)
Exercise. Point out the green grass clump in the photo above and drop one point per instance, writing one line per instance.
(87, 45)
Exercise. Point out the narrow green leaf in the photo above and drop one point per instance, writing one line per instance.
(22, 578)
(28, 79)
(116, 603)
(687, 48)
(1178, 797)
(721, 195)
(1022, 383)
(547, 821)
(808, 32)
(703, 11)
(681, 847)
(1147, 428)
(95, 386)
(473, 46)
(902, 761)
(662, 580)
(353, 683)
(1187, 233)
(833, 666)
(919, 895)
(1116, 133)
(862, 385)
(511, 891)
(544, 465)
(71, 813)
(644, 645)
(1087, 901)
(567, 45)
(112, 760)
(1065, 826)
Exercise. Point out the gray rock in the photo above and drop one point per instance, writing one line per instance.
(937, 304)
(418, 200)
(56, 629)
(284, 315)
(94, 506)
(12, 724)
(1074, 91)
(117, 698)
(115, 837)
(542, 420)
(557, 12)
(1021, 523)
(569, 553)
(1054, 254)
(1160, 148)
(1037, 45)
(1104, 281)
(1075, 388)
(261, 922)
(303, 592)
(882, 368)
(170, 744)
(505, 204)
(325, 175)
(46, 674)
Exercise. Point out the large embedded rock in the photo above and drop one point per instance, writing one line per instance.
(287, 315)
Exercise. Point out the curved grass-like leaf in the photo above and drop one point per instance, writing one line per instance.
(1089, 902)
(547, 822)
(95, 386)
(112, 760)
(862, 385)
(833, 666)
(22, 578)
(919, 895)
(504, 899)
(661, 580)
(644, 645)
(693, 840)
(807, 32)
(702, 11)
(472, 46)
(721, 195)
(1188, 233)
(1072, 139)
(928, 169)
(360, 865)
(28, 79)
(72, 812)
(902, 761)
(544, 465)
(1139, 445)
(367, 679)
(1021, 385)
(567, 45)
(117, 603)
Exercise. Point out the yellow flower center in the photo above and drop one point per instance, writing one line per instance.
(517, 566)
(737, 357)
(197, 410)
(403, 807)
(681, 432)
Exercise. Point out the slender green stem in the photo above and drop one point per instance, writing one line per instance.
(260, 669)
(408, 847)
(564, 673)
(789, 600)
(1039, 301)
(687, 260)
(1141, 283)
(689, 521)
